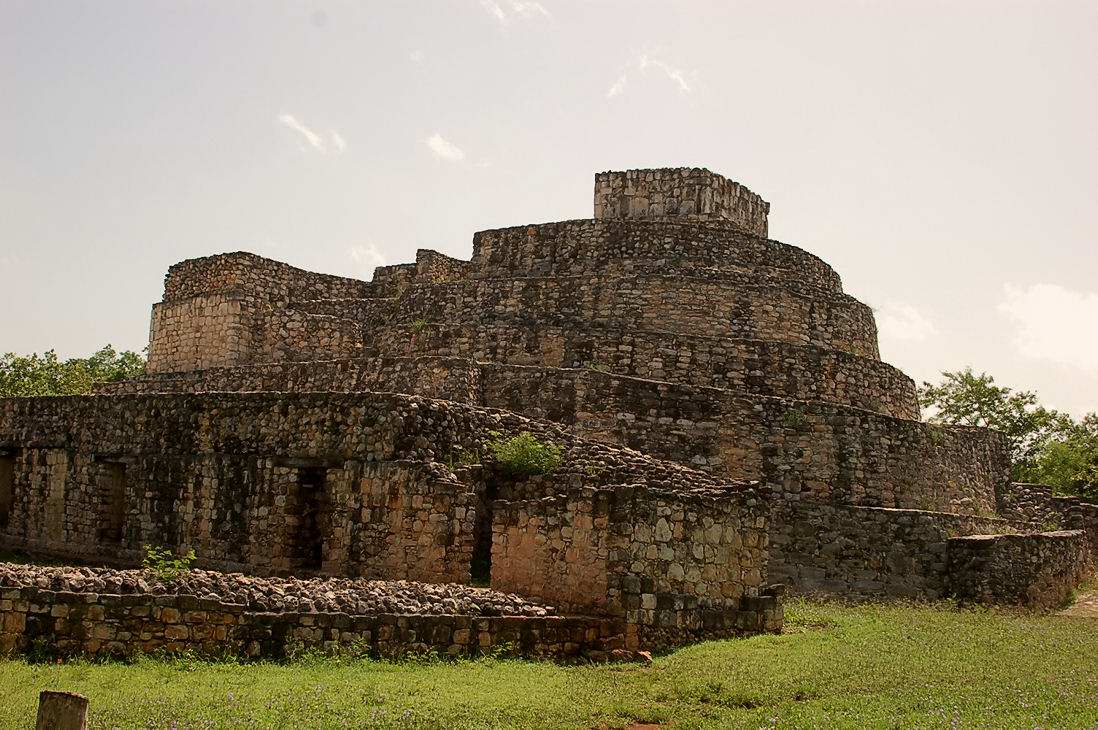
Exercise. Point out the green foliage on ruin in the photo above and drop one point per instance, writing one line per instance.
(46, 374)
(793, 418)
(524, 455)
(164, 564)
(1047, 446)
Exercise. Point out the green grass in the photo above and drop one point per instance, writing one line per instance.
(836, 666)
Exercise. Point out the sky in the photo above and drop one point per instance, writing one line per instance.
(942, 156)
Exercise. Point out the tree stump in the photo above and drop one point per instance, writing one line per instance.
(62, 711)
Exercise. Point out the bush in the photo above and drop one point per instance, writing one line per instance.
(164, 565)
(524, 455)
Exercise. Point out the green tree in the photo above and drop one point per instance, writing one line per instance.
(1047, 446)
(45, 374)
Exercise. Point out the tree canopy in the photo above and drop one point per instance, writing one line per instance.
(46, 374)
(1047, 446)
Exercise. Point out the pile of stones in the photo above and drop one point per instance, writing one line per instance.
(321, 595)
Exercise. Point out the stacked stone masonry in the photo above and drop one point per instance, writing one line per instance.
(1038, 570)
(724, 421)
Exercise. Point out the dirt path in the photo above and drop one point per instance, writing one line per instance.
(1085, 607)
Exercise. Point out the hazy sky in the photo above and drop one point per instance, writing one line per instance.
(942, 156)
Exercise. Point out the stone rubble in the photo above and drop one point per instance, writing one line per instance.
(268, 594)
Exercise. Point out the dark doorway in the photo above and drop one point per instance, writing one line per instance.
(480, 571)
(7, 488)
(112, 501)
(309, 506)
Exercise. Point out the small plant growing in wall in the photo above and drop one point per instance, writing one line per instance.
(419, 325)
(524, 455)
(793, 418)
(164, 565)
(936, 434)
(598, 367)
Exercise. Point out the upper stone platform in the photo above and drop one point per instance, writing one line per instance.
(679, 192)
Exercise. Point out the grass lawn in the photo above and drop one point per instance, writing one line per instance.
(836, 666)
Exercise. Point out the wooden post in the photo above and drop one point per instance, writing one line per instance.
(62, 711)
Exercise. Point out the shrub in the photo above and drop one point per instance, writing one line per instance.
(793, 419)
(164, 565)
(524, 455)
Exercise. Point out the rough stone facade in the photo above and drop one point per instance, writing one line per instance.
(723, 417)
(695, 194)
(1037, 570)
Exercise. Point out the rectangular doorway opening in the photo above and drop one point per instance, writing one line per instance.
(7, 488)
(480, 570)
(309, 507)
(112, 501)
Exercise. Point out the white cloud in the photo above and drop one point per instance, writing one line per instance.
(366, 257)
(644, 64)
(504, 11)
(1053, 323)
(332, 141)
(444, 149)
(903, 322)
(415, 56)
(617, 87)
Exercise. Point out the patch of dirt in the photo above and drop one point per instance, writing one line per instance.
(1086, 606)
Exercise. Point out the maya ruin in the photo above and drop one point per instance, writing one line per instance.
(727, 432)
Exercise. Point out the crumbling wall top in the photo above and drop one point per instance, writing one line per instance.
(679, 192)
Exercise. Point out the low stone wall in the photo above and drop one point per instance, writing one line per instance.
(1041, 505)
(33, 619)
(1036, 571)
(40, 619)
(690, 193)
(866, 552)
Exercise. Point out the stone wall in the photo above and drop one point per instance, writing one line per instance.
(808, 449)
(866, 552)
(238, 512)
(1036, 570)
(1041, 505)
(780, 369)
(238, 308)
(664, 303)
(246, 272)
(39, 620)
(576, 247)
(690, 193)
(818, 450)
(203, 331)
(633, 552)
(346, 484)
(455, 379)
(803, 372)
